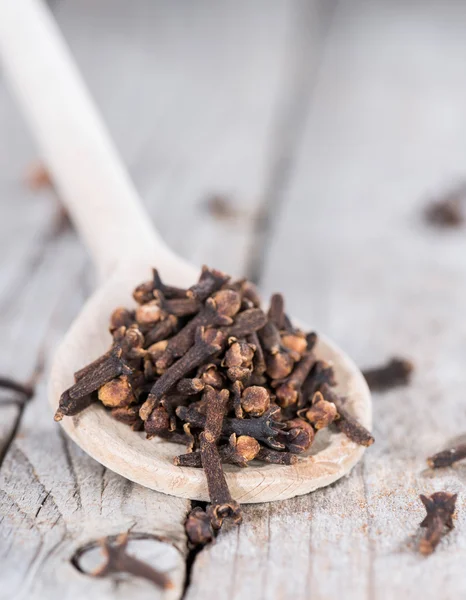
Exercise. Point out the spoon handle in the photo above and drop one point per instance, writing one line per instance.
(84, 164)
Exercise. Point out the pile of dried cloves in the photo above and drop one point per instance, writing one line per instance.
(206, 367)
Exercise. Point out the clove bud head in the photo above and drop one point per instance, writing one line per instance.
(210, 375)
(120, 317)
(255, 400)
(149, 313)
(239, 354)
(247, 447)
(299, 440)
(279, 365)
(117, 393)
(144, 292)
(296, 342)
(158, 422)
(227, 302)
(198, 528)
(322, 412)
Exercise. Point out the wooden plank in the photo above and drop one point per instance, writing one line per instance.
(349, 248)
(9, 415)
(28, 226)
(191, 93)
(190, 120)
(53, 498)
(26, 222)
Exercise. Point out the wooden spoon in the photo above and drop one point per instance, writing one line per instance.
(104, 205)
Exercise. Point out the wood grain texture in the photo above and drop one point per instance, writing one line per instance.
(385, 130)
(55, 499)
(201, 126)
(206, 82)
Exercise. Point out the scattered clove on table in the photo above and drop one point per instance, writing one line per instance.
(208, 368)
(37, 176)
(447, 457)
(440, 508)
(117, 560)
(221, 208)
(396, 372)
(198, 527)
(447, 211)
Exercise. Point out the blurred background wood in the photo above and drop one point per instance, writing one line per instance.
(323, 128)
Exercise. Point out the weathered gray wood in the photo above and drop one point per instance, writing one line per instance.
(178, 86)
(384, 132)
(191, 94)
(9, 414)
(24, 221)
(54, 499)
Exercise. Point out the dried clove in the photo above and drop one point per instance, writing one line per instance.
(264, 428)
(238, 360)
(448, 210)
(129, 415)
(321, 374)
(239, 451)
(279, 365)
(217, 311)
(208, 342)
(198, 527)
(248, 291)
(288, 391)
(157, 422)
(117, 393)
(322, 412)
(448, 457)
(121, 317)
(440, 508)
(246, 322)
(171, 402)
(207, 368)
(277, 458)
(395, 373)
(78, 396)
(236, 391)
(209, 282)
(178, 307)
(255, 400)
(190, 387)
(259, 366)
(168, 291)
(295, 343)
(149, 313)
(276, 312)
(270, 338)
(210, 375)
(38, 177)
(298, 436)
(145, 291)
(119, 561)
(222, 504)
(346, 423)
(161, 330)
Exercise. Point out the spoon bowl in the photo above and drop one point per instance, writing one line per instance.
(150, 462)
(94, 186)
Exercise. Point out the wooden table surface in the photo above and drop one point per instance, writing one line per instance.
(328, 126)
